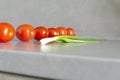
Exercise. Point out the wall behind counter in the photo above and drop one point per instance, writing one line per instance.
(90, 18)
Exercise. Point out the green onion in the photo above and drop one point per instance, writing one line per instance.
(68, 39)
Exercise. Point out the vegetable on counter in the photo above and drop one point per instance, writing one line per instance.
(62, 30)
(70, 32)
(68, 39)
(7, 32)
(52, 32)
(25, 32)
(67, 35)
(41, 32)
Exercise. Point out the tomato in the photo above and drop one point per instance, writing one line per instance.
(53, 32)
(62, 31)
(7, 32)
(70, 32)
(41, 32)
(25, 32)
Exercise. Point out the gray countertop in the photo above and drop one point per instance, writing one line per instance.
(67, 61)
(90, 18)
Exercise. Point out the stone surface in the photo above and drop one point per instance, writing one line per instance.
(8, 76)
(100, 61)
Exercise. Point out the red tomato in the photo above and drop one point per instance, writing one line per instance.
(25, 32)
(70, 32)
(53, 32)
(61, 30)
(7, 32)
(41, 32)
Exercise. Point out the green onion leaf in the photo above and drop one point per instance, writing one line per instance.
(68, 39)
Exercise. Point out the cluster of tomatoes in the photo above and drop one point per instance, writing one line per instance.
(26, 32)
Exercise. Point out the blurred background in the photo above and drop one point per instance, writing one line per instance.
(90, 18)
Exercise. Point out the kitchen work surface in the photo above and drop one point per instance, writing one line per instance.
(98, 19)
(65, 61)
(9, 76)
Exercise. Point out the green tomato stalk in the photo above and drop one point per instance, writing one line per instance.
(68, 39)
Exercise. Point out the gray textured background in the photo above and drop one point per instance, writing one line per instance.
(90, 18)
